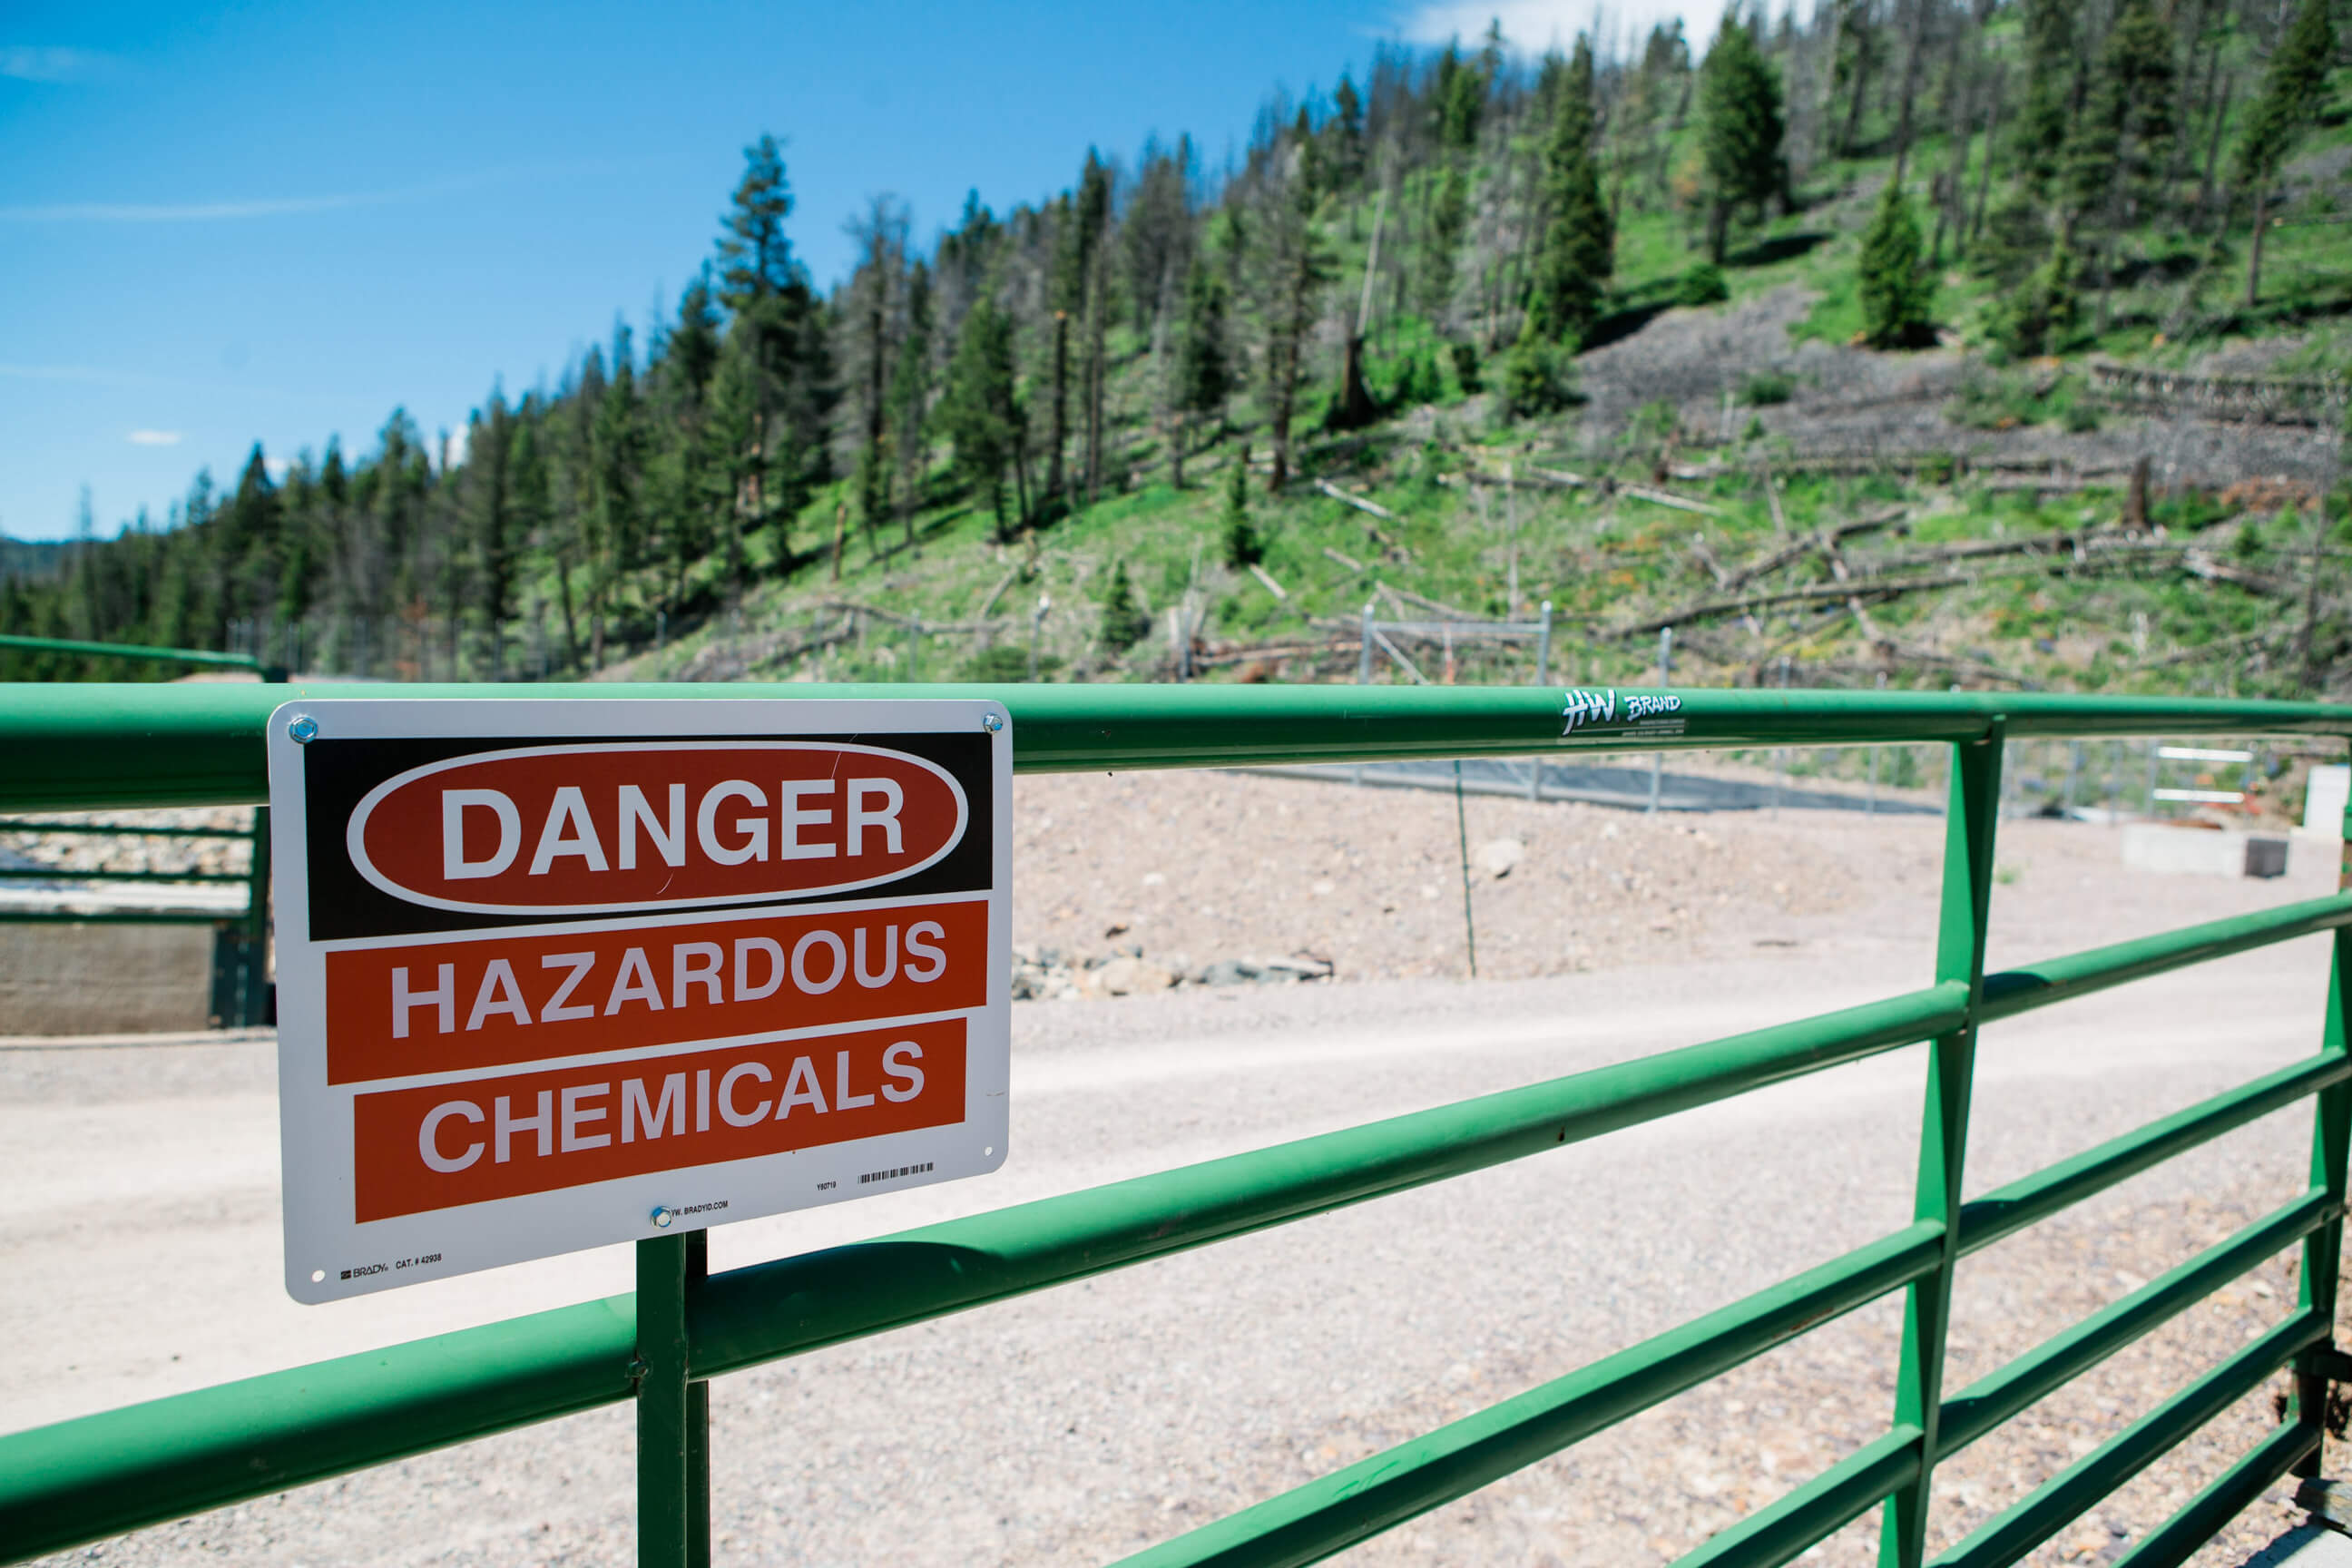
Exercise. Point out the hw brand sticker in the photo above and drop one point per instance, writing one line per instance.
(1585, 705)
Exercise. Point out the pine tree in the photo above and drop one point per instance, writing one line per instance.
(909, 395)
(2293, 91)
(1739, 111)
(1203, 374)
(1242, 546)
(1897, 297)
(978, 411)
(488, 482)
(2123, 141)
(1580, 240)
(1459, 101)
(1345, 131)
(1293, 265)
(767, 293)
(2046, 120)
(1123, 623)
(1447, 219)
(1857, 56)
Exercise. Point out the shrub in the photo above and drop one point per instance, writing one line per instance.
(1417, 381)
(1766, 387)
(1007, 662)
(1465, 367)
(1537, 378)
(2042, 310)
(1703, 285)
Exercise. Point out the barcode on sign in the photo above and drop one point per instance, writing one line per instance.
(901, 1171)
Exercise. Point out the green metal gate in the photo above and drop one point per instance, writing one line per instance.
(240, 977)
(102, 1475)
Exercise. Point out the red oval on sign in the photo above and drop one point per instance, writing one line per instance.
(641, 825)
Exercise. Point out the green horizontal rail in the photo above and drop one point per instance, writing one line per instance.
(2006, 1210)
(1785, 1531)
(121, 830)
(1348, 1506)
(2066, 1495)
(2016, 990)
(89, 874)
(113, 1472)
(1985, 1404)
(12, 642)
(89, 746)
(748, 1316)
(2187, 1532)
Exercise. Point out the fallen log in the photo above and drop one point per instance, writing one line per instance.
(1358, 503)
(1667, 498)
(1809, 543)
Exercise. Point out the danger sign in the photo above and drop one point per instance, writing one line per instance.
(553, 974)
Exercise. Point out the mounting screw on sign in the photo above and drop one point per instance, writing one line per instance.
(661, 1217)
(991, 723)
(304, 729)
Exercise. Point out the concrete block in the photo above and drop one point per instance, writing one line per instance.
(2325, 794)
(104, 979)
(2305, 1546)
(2202, 852)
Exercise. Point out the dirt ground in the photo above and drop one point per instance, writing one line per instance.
(1191, 868)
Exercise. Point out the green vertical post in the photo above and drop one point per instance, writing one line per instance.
(255, 1001)
(2323, 1249)
(673, 1411)
(1462, 832)
(1968, 827)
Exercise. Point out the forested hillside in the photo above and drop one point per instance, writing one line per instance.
(1449, 335)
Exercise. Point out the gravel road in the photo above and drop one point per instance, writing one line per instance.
(141, 1234)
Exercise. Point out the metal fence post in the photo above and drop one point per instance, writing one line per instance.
(253, 978)
(2323, 1249)
(673, 1413)
(1462, 830)
(1968, 828)
(1543, 645)
(1658, 759)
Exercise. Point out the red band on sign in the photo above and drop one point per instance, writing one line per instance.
(416, 1150)
(642, 824)
(392, 1012)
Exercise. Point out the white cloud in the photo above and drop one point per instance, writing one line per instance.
(278, 207)
(1535, 25)
(187, 212)
(154, 438)
(89, 374)
(278, 468)
(53, 67)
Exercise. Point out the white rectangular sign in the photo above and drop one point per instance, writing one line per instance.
(557, 973)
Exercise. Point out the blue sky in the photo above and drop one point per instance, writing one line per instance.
(281, 222)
